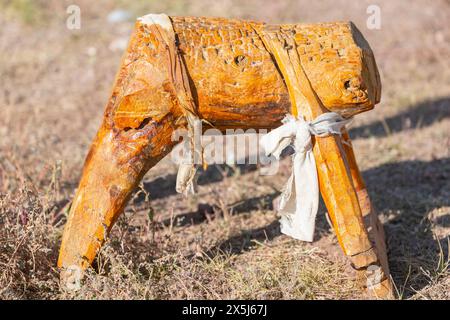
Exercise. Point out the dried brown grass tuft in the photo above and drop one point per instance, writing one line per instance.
(225, 242)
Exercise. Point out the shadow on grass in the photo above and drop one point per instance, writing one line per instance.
(420, 115)
(406, 192)
(205, 211)
(163, 187)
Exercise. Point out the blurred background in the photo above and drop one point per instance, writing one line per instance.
(56, 76)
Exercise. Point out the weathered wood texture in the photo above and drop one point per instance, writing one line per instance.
(234, 79)
(381, 287)
(227, 73)
(338, 174)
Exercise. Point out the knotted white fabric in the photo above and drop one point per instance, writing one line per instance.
(299, 200)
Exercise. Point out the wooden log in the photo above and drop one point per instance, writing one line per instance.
(235, 81)
(221, 71)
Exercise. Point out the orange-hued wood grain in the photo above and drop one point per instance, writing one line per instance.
(236, 83)
(130, 141)
(335, 182)
(336, 165)
(227, 73)
(373, 225)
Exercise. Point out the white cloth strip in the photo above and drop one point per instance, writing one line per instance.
(186, 177)
(299, 199)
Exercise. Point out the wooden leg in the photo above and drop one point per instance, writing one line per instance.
(334, 172)
(145, 108)
(384, 287)
(338, 193)
(347, 206)
(111, 173)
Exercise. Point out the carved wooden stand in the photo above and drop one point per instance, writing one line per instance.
(231, 73)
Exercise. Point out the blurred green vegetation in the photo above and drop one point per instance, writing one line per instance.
(140, 7)
(26, 8)
(27, 11)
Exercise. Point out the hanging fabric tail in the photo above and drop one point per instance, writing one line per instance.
(299, 200)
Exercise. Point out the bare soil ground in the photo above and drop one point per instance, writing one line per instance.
(224, 242)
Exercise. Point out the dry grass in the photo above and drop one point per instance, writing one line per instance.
(225, 242)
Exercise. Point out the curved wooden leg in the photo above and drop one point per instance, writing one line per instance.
(348, 207)
(112, 171)
(147, 104)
